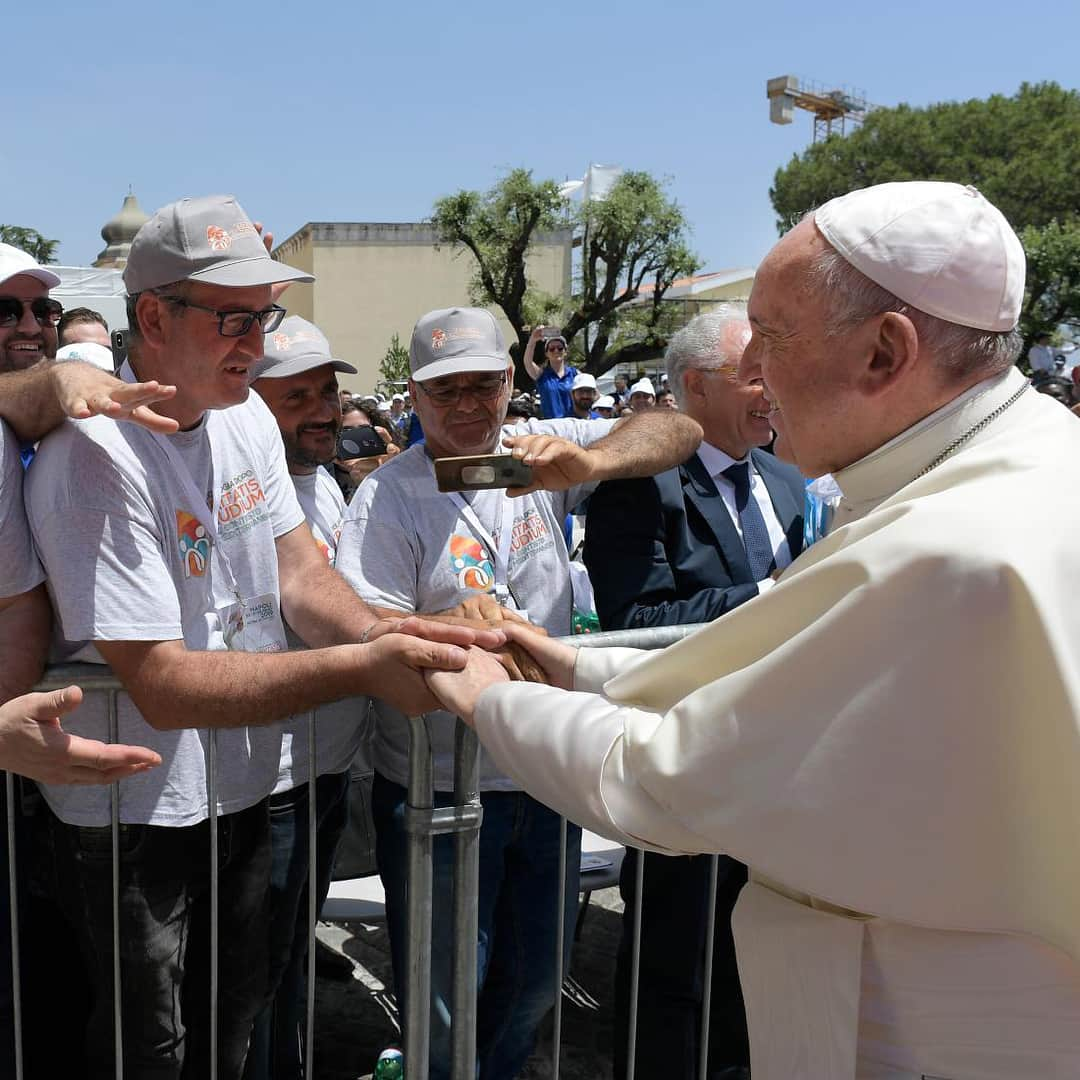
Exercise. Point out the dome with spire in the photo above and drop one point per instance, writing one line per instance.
(119, 231)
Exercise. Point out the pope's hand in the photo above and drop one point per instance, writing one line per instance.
(84, 390)
(556, 660)
(557, 464)
(459, 690)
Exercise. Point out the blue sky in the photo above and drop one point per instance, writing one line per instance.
(363, 112)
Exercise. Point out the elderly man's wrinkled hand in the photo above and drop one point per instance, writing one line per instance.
(557, 464)
(83, 390)
(520, 664)
(485, 608)
(451, 631)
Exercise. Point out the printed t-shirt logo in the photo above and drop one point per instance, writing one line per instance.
(470, 564)
(194, 544)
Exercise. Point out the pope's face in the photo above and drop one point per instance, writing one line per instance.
(806, 377)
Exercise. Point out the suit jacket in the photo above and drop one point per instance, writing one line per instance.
(663, 550)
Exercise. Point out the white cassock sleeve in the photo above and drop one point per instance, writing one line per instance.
(891, 729)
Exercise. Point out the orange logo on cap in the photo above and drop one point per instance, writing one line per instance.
(281, 341)
(438, 339)
(218, 238)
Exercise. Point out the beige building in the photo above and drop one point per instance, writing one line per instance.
(373, 280)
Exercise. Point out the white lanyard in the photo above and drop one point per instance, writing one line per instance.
(206, 515)
(499, 552)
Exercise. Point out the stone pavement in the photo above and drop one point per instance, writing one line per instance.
(356, 1018)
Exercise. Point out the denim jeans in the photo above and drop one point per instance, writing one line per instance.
(518, 893)
(276, 1047)
(165, 939)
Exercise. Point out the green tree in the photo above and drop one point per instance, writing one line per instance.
(634, 237)
(30, 241)
(394, 366)
(1019, 151)
(498, 228)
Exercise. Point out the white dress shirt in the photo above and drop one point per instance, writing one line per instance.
(716, 461)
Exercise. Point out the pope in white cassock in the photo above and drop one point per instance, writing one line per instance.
(889, 736)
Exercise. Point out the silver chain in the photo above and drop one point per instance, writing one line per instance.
(972, 432)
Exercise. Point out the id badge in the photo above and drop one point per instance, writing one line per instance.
(253, 625)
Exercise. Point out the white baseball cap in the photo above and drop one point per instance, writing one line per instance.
(643, 386)
(89, 352)
(583, 381)
(940, 247)
(15, 261)
(605, 402)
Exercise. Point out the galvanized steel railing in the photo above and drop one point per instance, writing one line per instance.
(423, 821)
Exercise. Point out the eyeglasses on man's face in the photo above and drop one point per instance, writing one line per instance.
(236, 323)
(46, 312)
(484, 389)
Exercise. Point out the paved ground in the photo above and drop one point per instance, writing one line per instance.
(356, 1018)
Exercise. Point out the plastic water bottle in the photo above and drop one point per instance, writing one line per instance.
(390, 1066)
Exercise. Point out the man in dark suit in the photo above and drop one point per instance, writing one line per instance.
(686, 546)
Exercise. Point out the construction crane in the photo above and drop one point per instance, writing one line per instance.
(832, 109)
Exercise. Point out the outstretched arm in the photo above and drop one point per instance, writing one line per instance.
(642, 445)
(532, 369)
(34, 401)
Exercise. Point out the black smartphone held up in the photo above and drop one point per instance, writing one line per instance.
(480, 472)
(119, 338)
(360, 441)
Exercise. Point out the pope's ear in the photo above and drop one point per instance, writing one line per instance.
(893, 351)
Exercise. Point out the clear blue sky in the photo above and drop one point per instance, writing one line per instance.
(368, 112)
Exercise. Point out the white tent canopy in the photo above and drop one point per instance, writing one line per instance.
(99, 289)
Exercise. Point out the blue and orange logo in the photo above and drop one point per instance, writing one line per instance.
(194, 544)
(470, 564)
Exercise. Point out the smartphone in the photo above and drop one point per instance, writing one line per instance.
(358, 442)
(119, 339)
(480, 472)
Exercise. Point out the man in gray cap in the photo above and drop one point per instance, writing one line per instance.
(297, 378)
(407, 547)
(888, 737)
(177, 560)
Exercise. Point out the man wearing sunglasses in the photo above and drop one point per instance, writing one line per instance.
(176, 560)
(407, 547)
(28, 317)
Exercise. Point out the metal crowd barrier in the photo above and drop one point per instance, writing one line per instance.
(422, 823)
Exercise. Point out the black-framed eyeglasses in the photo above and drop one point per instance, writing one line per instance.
(46, 311)
(483, 389)
(236, 323)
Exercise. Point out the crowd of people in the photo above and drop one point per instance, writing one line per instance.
(861, 765)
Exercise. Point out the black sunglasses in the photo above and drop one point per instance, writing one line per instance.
(46, 312)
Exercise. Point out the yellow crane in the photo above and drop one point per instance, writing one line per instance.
(832, 109)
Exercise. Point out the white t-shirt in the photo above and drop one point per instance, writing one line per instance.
(20, 570)
(342, 726)
(117, 529)
(406, 545)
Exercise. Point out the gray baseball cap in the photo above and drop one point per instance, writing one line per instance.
(296, 346)
(207, 239)
(452, 340)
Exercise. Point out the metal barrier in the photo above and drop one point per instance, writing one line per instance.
(423, 822)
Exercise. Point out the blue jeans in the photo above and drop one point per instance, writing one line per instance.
(276, 1047)
(518, 893)
(165, 939)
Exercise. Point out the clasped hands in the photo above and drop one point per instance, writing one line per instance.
(497, 646)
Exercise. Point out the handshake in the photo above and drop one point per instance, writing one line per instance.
(527, 655)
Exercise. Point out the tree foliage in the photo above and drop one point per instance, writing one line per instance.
(394, 366)
(1019, 151)
(635, 236)
(30, 241)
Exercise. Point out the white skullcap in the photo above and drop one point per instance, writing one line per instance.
(938, 246)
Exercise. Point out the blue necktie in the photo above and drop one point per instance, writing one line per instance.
(755, 534)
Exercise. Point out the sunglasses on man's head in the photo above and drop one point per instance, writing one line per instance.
(46, 311)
